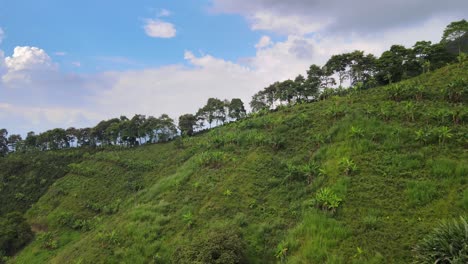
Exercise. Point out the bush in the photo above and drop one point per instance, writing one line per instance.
(327, 200)
(212, 159)
(47, 240)
(457, 91)
(447, 243)
(218, 247)
(348, 166)
(14, 233)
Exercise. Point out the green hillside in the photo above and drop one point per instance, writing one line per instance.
(356, 178)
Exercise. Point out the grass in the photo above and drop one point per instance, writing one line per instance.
(260, 176)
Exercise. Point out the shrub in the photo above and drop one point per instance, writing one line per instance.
(348, 166)
(47, 240)
(217, 247)
(398, 92)
(422, 136)
(457, 91)
(444, 133)
(108, 238)
(188, 219)
(327, 200)
(447, 243)
(356, 132)
(14, 233)
(304, 172)
(281, 252)
(212, 159)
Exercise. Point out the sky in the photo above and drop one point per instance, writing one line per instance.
(75, 63)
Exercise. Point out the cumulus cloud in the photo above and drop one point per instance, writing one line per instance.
(157, 28)
(27, 63)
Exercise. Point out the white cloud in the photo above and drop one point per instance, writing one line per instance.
(2, 35)
(60, 53)
(292, 24)
(76, 64)
(44, 118)
(335, 16)
(157, 28)
(27, 63)
(264, 42)
(174, 89)
(164, 13)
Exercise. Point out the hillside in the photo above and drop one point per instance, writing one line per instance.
(357, 178)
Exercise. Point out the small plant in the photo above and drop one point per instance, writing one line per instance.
(359, 252)
(188, 219)
(348, 166)
(462, 58)
(410, 110)
(396, 92)
(311, 170)
(357, 132)
(327, 200)
(108, 238)
(422, 136)
(457, 91)
(447, 243)
(48, 241)
(420, 92)
(444, 133)
(371, 222)
(227, 192)
(281, 252)
(212, 159)
(335, 111)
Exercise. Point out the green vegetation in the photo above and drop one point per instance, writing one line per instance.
(360, 175)
(447, 243)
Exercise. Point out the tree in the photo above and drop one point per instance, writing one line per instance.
(136, 128)
(160, 129)
(286, 91)
(214, 110)
(337, 64)
(3, 142)
(14, 140)
(391, 65)
(72, 134)
(31, 140)
(236, 109)
(259, 101)
(317, 78)
(186, 124)
(454, 32)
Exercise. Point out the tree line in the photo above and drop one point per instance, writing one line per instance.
(356, 70)
(359, 70)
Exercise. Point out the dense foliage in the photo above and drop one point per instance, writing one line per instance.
(14, 234)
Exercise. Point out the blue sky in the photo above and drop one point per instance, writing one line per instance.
(106, 34)
(74, 63)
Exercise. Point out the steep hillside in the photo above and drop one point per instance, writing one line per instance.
(355, 178)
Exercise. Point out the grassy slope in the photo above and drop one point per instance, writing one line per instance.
(235, 177)
(25, 177)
